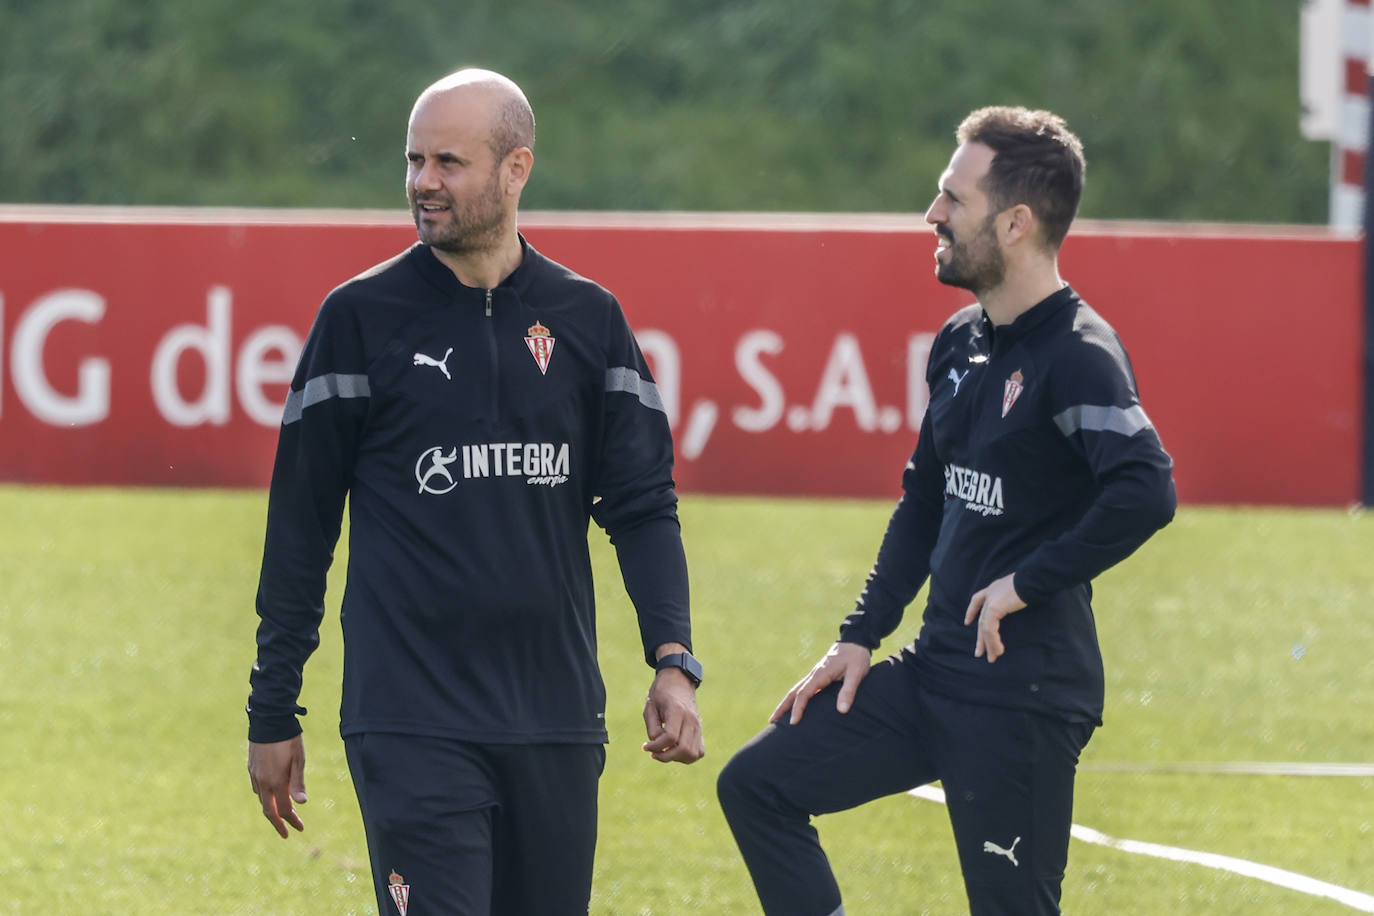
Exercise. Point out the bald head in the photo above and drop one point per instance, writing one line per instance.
(468, 158)
(510, 120)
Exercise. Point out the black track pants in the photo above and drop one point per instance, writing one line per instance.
(1007, 775)
(465, 829)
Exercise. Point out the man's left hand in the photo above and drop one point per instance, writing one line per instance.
(671, 719)
(988, 606)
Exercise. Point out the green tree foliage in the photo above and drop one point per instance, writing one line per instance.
(1188, 108)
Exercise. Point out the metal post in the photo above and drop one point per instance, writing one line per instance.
(1367, 221)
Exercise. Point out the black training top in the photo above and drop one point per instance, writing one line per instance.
(475, 433)
(1035, 458)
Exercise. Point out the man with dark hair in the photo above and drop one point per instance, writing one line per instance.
(1038, 163)
(478, 404)
(1036, 469)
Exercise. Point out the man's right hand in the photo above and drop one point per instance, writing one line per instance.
(277, 773)
(847, 662)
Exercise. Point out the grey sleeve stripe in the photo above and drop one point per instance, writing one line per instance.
(1124, 420)
(322, 388)
(630, 382)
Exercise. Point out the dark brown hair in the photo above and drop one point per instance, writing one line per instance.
(1038, 162)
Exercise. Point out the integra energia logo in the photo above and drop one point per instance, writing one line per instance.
(546, 464)
(980, 492)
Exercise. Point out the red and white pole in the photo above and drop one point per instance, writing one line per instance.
(1352, 142)
(1337, 37)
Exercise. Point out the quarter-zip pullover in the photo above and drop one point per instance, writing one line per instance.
(475, 433)
(1035, 457)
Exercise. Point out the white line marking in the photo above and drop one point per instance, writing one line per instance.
(1287, 879)
(1233, 768)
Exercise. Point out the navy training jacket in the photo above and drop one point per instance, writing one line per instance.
(475, 433)
(1036, 458)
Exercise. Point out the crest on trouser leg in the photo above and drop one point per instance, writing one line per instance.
(399, 890)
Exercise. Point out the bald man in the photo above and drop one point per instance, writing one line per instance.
(477, 404)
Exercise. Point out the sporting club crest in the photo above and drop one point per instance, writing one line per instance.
(541, 346)
(399, 890)
(1012, 390)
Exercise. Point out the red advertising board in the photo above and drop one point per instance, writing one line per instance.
(156, 347)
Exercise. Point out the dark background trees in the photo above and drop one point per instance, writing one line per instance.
(1188, 108)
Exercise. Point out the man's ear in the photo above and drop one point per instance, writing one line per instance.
(517, 167)
(1016, 223)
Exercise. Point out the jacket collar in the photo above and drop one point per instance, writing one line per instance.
(438, 274)
(1030, 319)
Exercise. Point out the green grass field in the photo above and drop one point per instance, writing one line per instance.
(126, 635)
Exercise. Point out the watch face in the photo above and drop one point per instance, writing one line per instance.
(689, 665)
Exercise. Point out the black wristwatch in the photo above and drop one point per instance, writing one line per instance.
(684, 660)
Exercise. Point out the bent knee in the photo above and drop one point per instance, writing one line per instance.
(730, 782)
(745, 779)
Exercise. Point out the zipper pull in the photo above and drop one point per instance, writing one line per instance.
(488, 303)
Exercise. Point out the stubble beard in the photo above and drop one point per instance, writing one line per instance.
(474, 226)
(976, 265)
